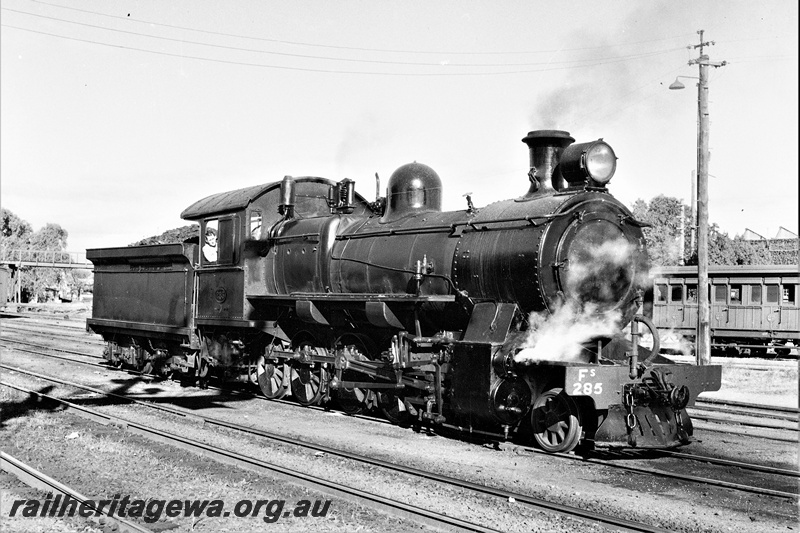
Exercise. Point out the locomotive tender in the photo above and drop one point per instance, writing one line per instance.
(456, 318)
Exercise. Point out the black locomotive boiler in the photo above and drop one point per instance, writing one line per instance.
(518, 318)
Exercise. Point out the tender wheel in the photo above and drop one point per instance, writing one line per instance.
(556, 422)
(269, 377)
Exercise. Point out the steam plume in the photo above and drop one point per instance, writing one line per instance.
(598, 276)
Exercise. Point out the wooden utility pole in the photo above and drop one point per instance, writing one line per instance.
(703, 289)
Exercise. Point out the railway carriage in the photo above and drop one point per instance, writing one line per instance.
(753, 307)
(432, 317)
(6, 285)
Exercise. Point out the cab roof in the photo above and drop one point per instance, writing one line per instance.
(226, 202)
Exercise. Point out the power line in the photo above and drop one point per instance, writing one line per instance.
(347, 60)
(362, 49)
(330, 71)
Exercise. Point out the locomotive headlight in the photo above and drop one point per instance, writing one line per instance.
(594, 160)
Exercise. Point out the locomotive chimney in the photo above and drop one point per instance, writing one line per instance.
(545, 148)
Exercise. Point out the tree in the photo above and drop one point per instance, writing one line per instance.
(14, 232)
(663, 237)
(722, 250)
(18, 234)
(663, 214)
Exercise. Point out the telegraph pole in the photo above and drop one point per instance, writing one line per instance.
(693, 225)
(704, 310)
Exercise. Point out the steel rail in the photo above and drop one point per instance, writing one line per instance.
(685, 477)
(47, 320)
(737, 464)
(336, 489)
(331, 488)
(749, 423)
(708, 481)
(775, 415)
(733, 431)
(695, 416)
(71, 337)
(748, 466)
(70, 331)
(37, 480)
(732, 403)
(565, 510)
(63, 350)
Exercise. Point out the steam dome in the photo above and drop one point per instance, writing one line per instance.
(413, 188)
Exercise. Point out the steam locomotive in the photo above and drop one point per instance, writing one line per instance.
(520, 318)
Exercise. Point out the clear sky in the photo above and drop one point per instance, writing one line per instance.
(117, 115)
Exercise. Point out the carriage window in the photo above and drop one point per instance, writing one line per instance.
(736, 294)
(691, 294)
(755, 294)
(676, 293)
(661, 293)
(788, 294)
(772, 294)
(720, 293)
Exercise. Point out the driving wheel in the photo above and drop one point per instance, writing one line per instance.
(270, 378)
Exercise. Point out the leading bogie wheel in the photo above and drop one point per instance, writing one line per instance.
(555, 420)
(270, 378)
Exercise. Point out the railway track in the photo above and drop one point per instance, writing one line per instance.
(334, 488)
(608, 459)
(40, 481)
(715, 423)
(72, 336)
(614, 461)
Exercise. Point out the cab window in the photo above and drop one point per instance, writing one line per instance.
(210, 238)
(219, 241)
(255, 224)
(227, 239)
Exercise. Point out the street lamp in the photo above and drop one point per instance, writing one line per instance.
(703, 337)
(677, 83)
